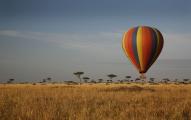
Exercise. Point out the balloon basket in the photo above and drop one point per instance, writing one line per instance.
(143, 78)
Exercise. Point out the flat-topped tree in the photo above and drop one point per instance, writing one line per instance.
(100, 80)
(93, 81)
(185, 80)
(10, 80)
(111, 76)
(166, 80)
(152, 79)
(44, 80)
(127, 77)
(78, 75)
(49, 79)
(137, 79)
(85, 79)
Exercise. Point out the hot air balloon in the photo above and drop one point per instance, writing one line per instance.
(142, 45)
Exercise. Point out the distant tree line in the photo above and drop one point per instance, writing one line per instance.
(127, 79)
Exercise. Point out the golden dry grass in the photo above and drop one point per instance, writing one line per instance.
(95, 102)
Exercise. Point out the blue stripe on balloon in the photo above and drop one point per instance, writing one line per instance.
(134, 42)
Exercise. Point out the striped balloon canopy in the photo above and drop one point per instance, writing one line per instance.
(142, 45)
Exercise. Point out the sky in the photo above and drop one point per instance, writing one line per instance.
(54, 38)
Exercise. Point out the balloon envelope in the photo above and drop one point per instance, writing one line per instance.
(142, 45)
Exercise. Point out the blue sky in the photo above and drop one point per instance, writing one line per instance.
(40, 38)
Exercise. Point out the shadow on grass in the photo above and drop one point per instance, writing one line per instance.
(63, 87)
(129, 88)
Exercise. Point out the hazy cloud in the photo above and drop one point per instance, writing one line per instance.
(176, 45)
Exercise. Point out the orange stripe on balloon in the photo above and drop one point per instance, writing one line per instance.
(146, 47)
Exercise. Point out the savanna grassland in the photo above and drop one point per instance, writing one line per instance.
(95, 102)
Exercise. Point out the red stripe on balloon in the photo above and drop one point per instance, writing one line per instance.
(158, 49)
(146, 46)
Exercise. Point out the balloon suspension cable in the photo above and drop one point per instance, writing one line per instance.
(143, 77)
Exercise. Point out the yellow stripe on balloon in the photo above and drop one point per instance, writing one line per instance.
(140, 47)
(123, 44)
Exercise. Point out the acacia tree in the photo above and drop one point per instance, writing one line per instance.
(185, 80)
(128, 77)
(120, 81)
(166, 80)
(111, 76)
(44, 80)
(100, 80)
(78, 75)
(137, 79)
(49, 79)
(152, 80)
(10, 80)
(86, 79)
(93, 81)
